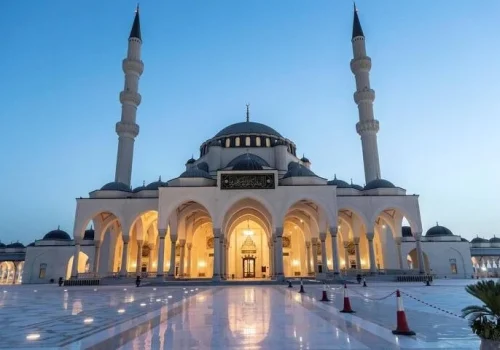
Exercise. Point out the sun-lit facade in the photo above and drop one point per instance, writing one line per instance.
(247, 208)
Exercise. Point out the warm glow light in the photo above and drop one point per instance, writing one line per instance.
(88, 320)
(362, 261)
(154, 264)
(33, 336)
(121, 311)
(134, 264)
(295, 262)
(383, 226)
(248, 232)
(202, 263)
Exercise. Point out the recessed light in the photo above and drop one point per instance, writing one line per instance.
(88, 320)
(33, 336)
(170, 297)
(121, 311)
(143, 304)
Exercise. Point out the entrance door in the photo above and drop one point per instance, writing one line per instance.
(248, 267)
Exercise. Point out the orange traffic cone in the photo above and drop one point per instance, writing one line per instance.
(301, 287)
(402, 326)
(347, 304)
(324, 297)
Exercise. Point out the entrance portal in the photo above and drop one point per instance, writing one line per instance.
(248, 267)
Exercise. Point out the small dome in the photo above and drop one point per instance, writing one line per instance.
(191, 160)
(140, 188)
(203, 166)
(57, 235)
(338, 183)
(247, 163)
(357, 187)
(438, 231)
(2, 245)
(379, 183)
(32, 244)
(463, 239)
(252, 156)
(495, 240)
(248, 128)
(298, 170)
(304, 160)
(479, 240)
(406, 231)
(153, 186)
(89, 234)
(15, 245)
(116, 186)
(195, 172)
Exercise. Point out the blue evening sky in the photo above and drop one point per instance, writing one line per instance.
(435, 72)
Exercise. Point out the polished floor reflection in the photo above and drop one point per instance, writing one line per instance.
(230, 317)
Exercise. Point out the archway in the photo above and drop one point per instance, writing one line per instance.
(413, 263)
(201, 264)
(82, 262)
(7, 272)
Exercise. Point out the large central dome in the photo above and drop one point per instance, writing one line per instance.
(248, 128)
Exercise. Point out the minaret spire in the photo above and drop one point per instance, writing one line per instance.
(368, 126)
(248, 112)
(126, 128)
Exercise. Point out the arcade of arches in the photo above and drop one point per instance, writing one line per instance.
(11, 272)
(247, 245)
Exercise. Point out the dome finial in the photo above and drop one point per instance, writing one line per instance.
(58, 227)
(144, 183)
(351, 180)
(159, 178)
(248, 112)
(335, 176)
(437, 223)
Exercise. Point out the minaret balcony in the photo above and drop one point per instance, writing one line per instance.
(361, 64)
(365, 95)
(135, 66)
(127, 129)
(367, 126)
(130, 97)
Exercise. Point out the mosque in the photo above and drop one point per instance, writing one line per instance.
(247, 207)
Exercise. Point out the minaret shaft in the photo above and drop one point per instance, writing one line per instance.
(127, 128)
(368, 126)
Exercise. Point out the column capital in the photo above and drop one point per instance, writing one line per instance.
(173, 238)
(125, 239)
(322, 236)
(182, 242)
(279, 232)
(417, 236)
(189, 246)
(162, 232)
(334, 230)
(140, 242)
(308, 244)
(398, 240)
(217, 232)
(356, 240)
(346, 245)
(314, 240)
(370, 235)
(78, 241)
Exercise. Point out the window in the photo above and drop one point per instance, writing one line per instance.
(43, 271)
(453, 266)
(228, 142)
(247, 141)
(268, 142)
(257, 141)
(237, 142)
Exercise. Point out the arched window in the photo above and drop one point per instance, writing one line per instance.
(228, 142)
(237, 142)
(257, 141)
(247, 141)
(268, 142)
(43, 271)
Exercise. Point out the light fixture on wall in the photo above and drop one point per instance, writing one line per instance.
(202, 264)
(248, 232)
(295, 262)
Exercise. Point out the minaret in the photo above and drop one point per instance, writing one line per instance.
(368, 126)
(126, 128)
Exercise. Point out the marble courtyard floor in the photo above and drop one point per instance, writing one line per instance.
(232, 317)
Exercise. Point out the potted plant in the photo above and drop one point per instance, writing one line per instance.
(485, 319)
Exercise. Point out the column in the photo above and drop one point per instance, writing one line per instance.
(371, 252)
(346, 256)
(123, 270)
(74, 268)
(335, 250)
(279, 254)
(274, 256)
(150, 258)
(188, 272)
(97, 256)
(324, 261)
(271, 268)
(182, 243)
(222, 257)
(173, 239)
(308, 256)
(315, 254)
(161, 252)
(217, 254)
(358, 256)
(420, 252)
(138, 261)
(398, 247)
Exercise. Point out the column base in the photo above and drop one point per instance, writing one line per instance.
(280, 277)
(159, 275)
(216, 278)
